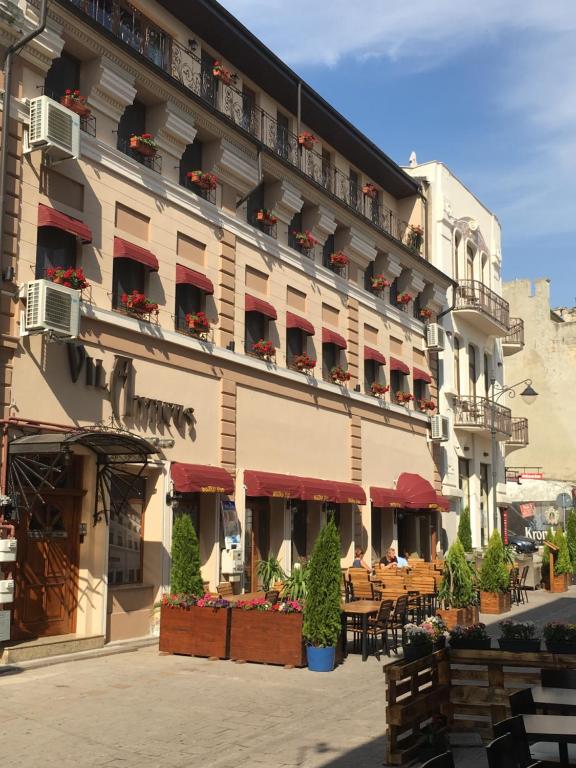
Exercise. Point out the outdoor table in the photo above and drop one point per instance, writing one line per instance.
(558, 699)
(364, 609)
(558, 728)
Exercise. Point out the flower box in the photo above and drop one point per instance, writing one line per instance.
(194, 631)
(137, 304)
(462, 616)
(267, 218)
(198, 324)
(305, 240)
(223, 74)
(73, 101)
(404, 299)
(426, 405)
(413, 651)
(403, 398)
(69, 277)
(494, 602)
(339, 375)
(306, 140)
(519, 646)
(560, 637)
(339, 260)
(378, 390)
(144, 145)
(267, 637)
(558, 647)
(304, 363)
(425, 313)
(471, 645)
(264, 349)
(379, 283)
(208, 181)
(369, 190)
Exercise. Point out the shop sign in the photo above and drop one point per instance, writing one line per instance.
(531, 475)
(121, 385)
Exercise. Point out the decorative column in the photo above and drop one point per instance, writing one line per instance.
(410, 282)
(172, 125)
(285, 200)
(321, 222)
(433, 297)
(236, 168)
(360, 251)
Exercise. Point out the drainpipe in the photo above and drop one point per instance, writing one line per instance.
(7, 60)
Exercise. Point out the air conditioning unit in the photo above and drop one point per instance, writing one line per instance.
(6, 590)
(53, 127)
(435, 337)
(8, 549)
(440, 428)
(51, 308)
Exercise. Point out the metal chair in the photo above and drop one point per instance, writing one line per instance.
(558, 678)
(515, 727)
(444, 760)
(501, 753)
(513, 586)
(522, 589)
(522, 702)
(378, 626)
(397, 621)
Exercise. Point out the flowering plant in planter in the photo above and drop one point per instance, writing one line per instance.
(266, 217)
(305, 239)
(425, 313)
(69, 277)
(426, 405)
(404, 397)
(436, 627)
(416, 641)
(261, 604)
(404, 298)
(339, 260)
(560, 637)
(207, 181)
(472, 636)
(198, 324)
(225, 75)
(517, 630)
(304, 363)
(75, 102)
(264, 349)
(138, 303)
(415, 236)
(379, 282)
(187, 601)
(144, 143)
(339, 375)
(306, 140)
(370, 190)
(378, 389)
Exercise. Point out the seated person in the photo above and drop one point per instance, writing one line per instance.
(402, 562)
(389, 560)
(359, 560)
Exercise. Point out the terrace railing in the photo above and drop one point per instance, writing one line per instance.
(477, 413)
(472, 294)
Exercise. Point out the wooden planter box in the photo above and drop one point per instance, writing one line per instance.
(463, 616)
(494, 602)
(559, 583)
(268, 638)
(195, 631)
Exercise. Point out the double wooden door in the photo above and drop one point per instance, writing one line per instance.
(259, 537)
(46, 577)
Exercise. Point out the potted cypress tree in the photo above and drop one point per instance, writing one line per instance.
(464, 530)
(457, 593)
(571, 538)
(494, 578)
(562, 563)
(323, 611)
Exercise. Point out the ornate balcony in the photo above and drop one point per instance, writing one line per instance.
(482, 307)
(514, 340)
(519, 436)
(477, 414)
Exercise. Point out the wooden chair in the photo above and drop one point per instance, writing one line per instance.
(501, 753)
(522, 702)
(378, 627)
(362, 586)
(441, 761)
(272, 596)
(558, 678)
(225, 589)
(515, 727)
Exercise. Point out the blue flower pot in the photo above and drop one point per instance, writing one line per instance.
(320, 659)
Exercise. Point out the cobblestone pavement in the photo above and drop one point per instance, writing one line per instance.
(150, 711)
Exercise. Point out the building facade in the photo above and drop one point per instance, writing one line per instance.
(465, 243)
(188, 389)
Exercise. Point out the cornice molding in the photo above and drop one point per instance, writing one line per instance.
(284, 199)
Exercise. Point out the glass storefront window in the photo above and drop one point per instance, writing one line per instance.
(128, 499)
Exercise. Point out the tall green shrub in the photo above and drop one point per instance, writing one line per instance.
(185, 576)
(457, 586)
(464, 530)
(563, 563)
(571, 537)
(322, 611)
(494, 575)
(546, 551)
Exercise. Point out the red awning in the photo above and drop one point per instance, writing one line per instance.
(386, 497)
(197, 478)
(49, 217)
(331, 337)
(349, 493)
(125, 250)
(373, 354)
(420, 375)
(271, 484)
(186, 276)
(418, 493)
(398, 365)
(252, 304)
(314, 489)
(295, 321)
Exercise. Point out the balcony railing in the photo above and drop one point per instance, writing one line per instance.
(478, 413)
(154, 162)
(519, 436)
(515, 335)
(184, 66)
(474, 295)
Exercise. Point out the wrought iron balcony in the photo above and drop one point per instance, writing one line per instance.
(185, 67)
(154, 162)
(478, 414)
(514, 339)
(483, 307)
(519, 436)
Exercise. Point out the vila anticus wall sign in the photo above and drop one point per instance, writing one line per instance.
(121, 388)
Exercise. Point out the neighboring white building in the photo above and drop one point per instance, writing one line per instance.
(465, 243)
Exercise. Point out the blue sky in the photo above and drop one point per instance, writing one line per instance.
(487, 87)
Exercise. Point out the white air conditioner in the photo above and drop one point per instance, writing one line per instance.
(51, 307)
(54, 127)
(440, 428)
(6, 590)
(8, 549)
(435, 337)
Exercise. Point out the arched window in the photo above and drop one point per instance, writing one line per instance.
(472, 373)
(457, 364)
(469, 262)
(456, 266)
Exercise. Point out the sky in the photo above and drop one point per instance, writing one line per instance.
(486, 86)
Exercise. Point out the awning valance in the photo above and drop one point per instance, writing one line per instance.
(295, 321)
(49, 217)
(126, 250)
(199, 478)
(271, 484)
(418, 493)
(398, 365)
(253, 304)
(331, 337)
(373, 354)
(420, 375)
(187, 276)
(386, 498)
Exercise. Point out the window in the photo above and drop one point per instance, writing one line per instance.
(191, 160)
(469, 263)
(394, 292)
(254, 204)
(472, 373)
(127, 502)
(189, 299)
(255, 330)
(64, 73)
(133, 121)
(54, 248)
(486, 375)
(464, 482)
(327, 170)
(353, 188)
(457, 241)
(328, 249)
(420, 390)
(457, 383)
(282, 131)
(417, 306)
(127, 276)
(368, 275)
(208, 82)
(330, 358)
(295, 226)
(295, 343)
(370, 373)
(299, 531)
(396, 383)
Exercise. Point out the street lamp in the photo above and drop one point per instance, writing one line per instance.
(528, 394)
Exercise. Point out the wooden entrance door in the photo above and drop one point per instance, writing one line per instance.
(260, 536)
(48, 549)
